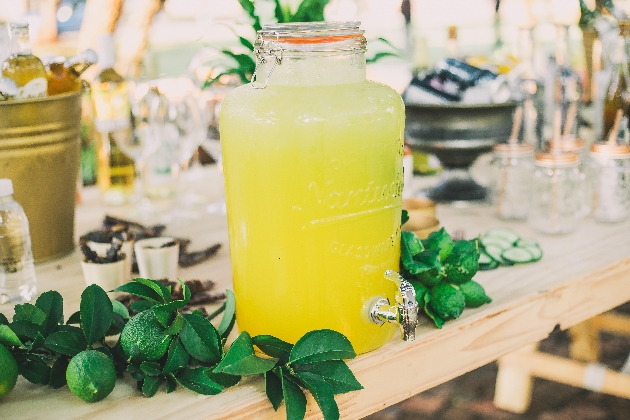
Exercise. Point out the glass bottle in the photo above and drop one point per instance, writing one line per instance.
(617, 95)
(25, 69)
(65, 75)
(112, 123)
(5, 41)
(610, 181)
(563, 89)
(17, 271)
(558, 188)
(510, 187)
(313, 165)
(8, 89)
(452, 45)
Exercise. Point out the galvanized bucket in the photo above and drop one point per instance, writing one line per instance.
(39, 152)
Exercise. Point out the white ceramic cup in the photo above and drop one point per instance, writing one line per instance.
(127, 249)
(157, 263)
(109, 275)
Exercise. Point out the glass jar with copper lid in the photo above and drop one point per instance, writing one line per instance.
(610, 181)
(570, 143)
(558, 193)
(512, 168)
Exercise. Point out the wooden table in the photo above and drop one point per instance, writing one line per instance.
(581, 274)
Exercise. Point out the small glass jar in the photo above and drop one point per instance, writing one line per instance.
(571, 144)
(558, 193)
(510, 184)
(610, 181)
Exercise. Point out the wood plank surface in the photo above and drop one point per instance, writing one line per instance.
(580, 275)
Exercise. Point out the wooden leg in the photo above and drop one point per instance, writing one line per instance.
(514, 382)
(585, 341)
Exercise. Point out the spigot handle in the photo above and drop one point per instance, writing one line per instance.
(404, 313)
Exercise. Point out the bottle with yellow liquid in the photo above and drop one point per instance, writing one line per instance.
(25, 69)
(617, 92)
(112, 122)
(65, 75)
(313, 165)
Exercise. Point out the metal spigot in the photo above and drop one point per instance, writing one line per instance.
(404, 312)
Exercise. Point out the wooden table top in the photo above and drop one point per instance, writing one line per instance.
(580, 275)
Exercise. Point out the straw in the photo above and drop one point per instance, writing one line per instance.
(612, 134)
(557, 125)
(557, 122)
(571, 115)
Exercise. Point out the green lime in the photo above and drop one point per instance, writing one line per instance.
(474, 294)
(91, 375)
(463, 262)
(8, 371)
(447, 301)
(420, 290)
(143, 338)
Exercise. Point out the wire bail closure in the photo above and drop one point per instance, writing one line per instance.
(262, 49)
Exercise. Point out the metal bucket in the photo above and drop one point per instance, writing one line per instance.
(39, 151)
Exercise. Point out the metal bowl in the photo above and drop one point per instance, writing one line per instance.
(458, 133)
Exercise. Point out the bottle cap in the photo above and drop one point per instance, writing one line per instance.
(556, 159)
(106, 51)
(610, 150)
(6, 187)
(509, 150)
(19, 24)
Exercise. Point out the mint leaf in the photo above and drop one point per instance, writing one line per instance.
(67, 343)
(240, 359)
(430, 268)
(200, 339)
(176, 358)
(30, 313)
(323, 394)
(51, 303)
(294, 399)
(8, 338)
(161, 290)
(273, 389)
(321, 345)
(58, 372)
(196, 380)
(96, 313)
(441, 241)
(120, 309)
(227, 322)
(412, 242)
(404, 217)
(335, 372)
(137, 289)
(150, 385)
(272, 346)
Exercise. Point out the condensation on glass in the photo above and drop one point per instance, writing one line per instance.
(510, 184)
(609, 175)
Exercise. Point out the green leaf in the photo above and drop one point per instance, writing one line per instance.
(381, 55)
(96, 313)
(151, 368)
(249, 8)
(245, 62)
(336, 373)
(30, 313)
(310, 11)
(246, 43)
(272, 346)
(196, 380)
(439, 322)
(37, 343)
(58, 372)
(137, 289)
(117, 325)
(227, 322)
(75, 318)
(279, 14)
(8, 338)
(25, 329)
(273, 389)
(150, 385)
(185, 292)
(51, 303)
(65, 342)
(171, 384)
(241, 360)
(177, 357)
(430, 270)
(3, 320)
(412, 242)
(294, 399)
(321, 345)
(135, 372)
(163, 291)
(441, 241)
(176, 326)
(200, 339)
(216, 312)
(323, 393)
(34, 370)
(141, 305)
(224, 379)
(120, 309)
(404, 217)
(164, 314)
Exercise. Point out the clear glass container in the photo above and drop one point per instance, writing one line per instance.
(558, 193)
(572, 144)
(25, 69)
(512, 167)
(313, 165)
(609, 175)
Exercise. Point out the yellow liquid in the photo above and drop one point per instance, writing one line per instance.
(313, 191)
(28, 73)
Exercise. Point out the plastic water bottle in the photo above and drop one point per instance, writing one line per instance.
(17, 271)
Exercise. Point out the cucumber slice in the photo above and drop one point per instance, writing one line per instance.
(496, 254)
(495, 241)
(489, 266)
(526, 243)
(534, 250)
(485, 258)
(506, 234)
(517, 255)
